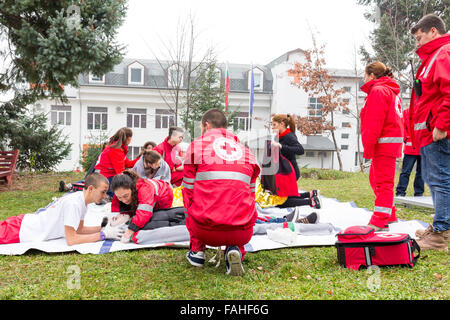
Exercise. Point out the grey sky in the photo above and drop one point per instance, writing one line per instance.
(249, 31)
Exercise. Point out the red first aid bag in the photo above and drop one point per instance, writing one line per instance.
(360, 247)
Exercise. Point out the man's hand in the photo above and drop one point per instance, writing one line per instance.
(113, 233)
(439, 134)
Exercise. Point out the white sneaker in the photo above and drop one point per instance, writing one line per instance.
(233, 262)
(196, 258)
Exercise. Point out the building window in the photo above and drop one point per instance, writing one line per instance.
(345, 135)
(97, 118)
(61, 115)
(346, 125)
(136, 118)
(241, 121)
(347, 89)
(175, 76)
(135, 73)
(314, 108)
(164, 119)
(344, 147)
(133, 152)
(96, 79)
(310, 154)
(258, 78)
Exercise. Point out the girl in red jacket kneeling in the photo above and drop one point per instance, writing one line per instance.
(113, 159)
(138, 198)
(382, 138)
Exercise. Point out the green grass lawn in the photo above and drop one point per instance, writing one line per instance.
(290, 274)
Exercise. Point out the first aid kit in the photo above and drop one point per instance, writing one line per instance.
(360, 247)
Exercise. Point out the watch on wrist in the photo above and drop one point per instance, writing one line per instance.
(102, 236)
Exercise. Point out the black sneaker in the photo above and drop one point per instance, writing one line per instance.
(311, 218)
(61, 186)
(316, 201)
(196, 258)
(233, 261)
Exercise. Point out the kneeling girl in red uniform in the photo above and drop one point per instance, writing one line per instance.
(138, 198)
(382, 138)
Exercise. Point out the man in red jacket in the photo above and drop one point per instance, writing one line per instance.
(382, 138)
(411, 156)
(219, 193)
(430, 120)
(168, 151)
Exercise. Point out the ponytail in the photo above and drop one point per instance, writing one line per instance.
(120, 137)
(288, 120)
(379, 69)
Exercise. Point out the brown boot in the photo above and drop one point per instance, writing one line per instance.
(434, 240)
(422, 232)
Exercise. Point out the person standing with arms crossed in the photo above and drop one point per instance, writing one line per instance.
(430, 123)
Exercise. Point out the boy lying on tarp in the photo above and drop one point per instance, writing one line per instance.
(62, 218)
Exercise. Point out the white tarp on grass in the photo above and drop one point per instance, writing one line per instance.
(340, 214)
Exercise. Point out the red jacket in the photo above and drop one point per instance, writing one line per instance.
(408, 147)
(219, 182)
(152, 194)
(113, 161)
(381, 119)
(169, 153)
(432, 109)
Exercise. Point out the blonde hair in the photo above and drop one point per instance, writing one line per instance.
(287, 119)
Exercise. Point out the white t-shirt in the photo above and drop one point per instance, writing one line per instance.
(49, 223)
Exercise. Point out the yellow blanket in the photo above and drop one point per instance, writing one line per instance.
(263, 198)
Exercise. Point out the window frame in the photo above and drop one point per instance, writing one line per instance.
(102, 112)
(135, 65)
(161, 115)
(141, 114)
(64, 111)
(256, 71)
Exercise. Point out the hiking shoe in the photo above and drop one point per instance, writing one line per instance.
(316, 200)
(311, 218)
(196, 258)
(233, 261)
(377, 229)
(434, 240)
(61, 186)
(422, 232)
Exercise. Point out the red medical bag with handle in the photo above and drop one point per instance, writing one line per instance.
(360, 247)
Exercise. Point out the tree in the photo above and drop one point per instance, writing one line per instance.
(180, 66)
(316, 79)
(391, 40)
(207, 92)
(41, 149)
(49, 43)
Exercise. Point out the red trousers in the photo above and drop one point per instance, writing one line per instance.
(9, 229)
(201, 237)
(382, 176)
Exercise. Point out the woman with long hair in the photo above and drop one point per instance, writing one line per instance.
(288, 172)
(113, 159)
(382, 137)
(138, 198)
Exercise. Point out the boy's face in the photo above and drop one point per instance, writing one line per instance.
(99, 193)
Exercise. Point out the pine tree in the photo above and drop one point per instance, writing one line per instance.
(391, 40)
(49, 44)
(206, 93)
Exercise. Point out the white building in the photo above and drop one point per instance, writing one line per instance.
(137, 92)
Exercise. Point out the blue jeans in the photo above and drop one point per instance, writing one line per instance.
(403, 181)
(436, 173)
